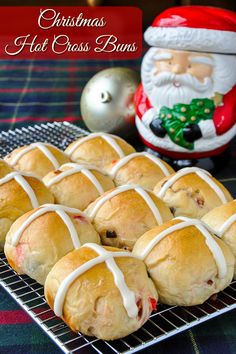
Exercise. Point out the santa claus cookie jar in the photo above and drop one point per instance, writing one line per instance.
(186, 104)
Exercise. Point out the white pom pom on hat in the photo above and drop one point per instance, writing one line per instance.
(194, 28)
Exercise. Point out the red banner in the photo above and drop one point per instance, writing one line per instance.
(70, 32)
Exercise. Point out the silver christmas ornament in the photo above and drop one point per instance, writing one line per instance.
(107, 101)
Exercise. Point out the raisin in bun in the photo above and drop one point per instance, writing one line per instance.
(223, 221)
(101, 291)
(123, 214)
(139, 168)
(77, 185)
(19, 193)
(4, 168)
(39, 238)
(37, 158)
(191, 192)
(98, 149)
(186, 262)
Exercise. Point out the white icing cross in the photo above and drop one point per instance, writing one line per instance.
(127, 295)
(142, 192)
(226, 225)
(75, 168)
(43, 148)
(19, 178)
(204, 175)
(210, 242)
(62, 211)
(129, 157)
(109, 138)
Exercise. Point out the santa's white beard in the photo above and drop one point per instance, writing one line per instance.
(169, 89)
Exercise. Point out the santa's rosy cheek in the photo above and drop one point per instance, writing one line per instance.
(163, 66)
(200, 71)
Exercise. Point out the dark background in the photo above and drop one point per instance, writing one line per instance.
(150, 8)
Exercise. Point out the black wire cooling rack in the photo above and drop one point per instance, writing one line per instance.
(165, 322)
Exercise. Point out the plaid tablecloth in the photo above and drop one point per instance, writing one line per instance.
(38, 91)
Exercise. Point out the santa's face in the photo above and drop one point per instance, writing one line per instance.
(198, 65)
(179, 77)
(172, 76)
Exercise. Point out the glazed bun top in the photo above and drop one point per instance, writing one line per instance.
(61, 210)
(4, 168)
(101, 291)
(123, 214)
(22, 191)
(70, 169)
(37, 158)
(99, 149)
(139, 168)
(19, 193)
(146, 196)
(77, 185)
(222, 218)
(39, 238)
(196, 173)
(177, 236)
(186, 261)
(88, 257)
(192, 192)
(102, 254)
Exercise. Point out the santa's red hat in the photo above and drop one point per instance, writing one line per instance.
(196, 28)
